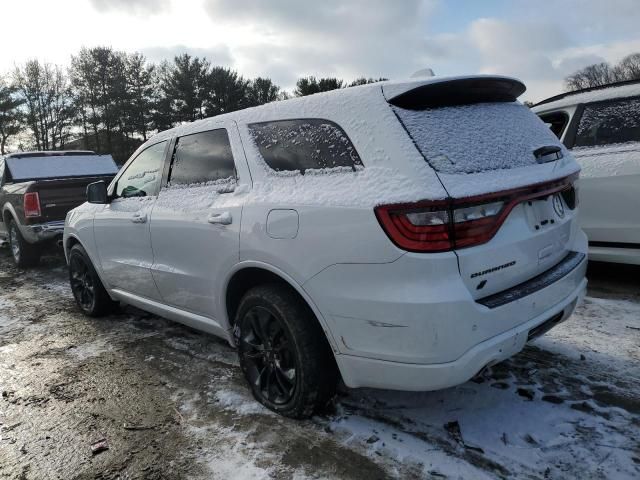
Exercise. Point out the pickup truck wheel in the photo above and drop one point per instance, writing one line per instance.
(283, 352)
(24, 254)
(90, 294)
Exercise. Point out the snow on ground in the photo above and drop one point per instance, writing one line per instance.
(566, 407)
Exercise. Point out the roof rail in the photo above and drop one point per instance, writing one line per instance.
(584, 90)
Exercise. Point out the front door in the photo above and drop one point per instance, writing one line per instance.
(195, 224)
(121, 227)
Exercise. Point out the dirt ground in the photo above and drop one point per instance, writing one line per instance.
(170, 402)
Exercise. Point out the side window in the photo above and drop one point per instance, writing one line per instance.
(299, 145)
(604, 123)
(142, 177)
(202, 157)
(556, 121)
(1, 171)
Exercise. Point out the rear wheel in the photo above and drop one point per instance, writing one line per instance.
(90, 294)
(283, 352)
(24, 254)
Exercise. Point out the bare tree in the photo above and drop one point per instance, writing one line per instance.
(46, 93)
(11, 118)
(600, 74)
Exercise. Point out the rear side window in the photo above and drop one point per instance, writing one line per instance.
(609, 122)
(300, 145)
(478, 137)
(201, 158)
(556, 121)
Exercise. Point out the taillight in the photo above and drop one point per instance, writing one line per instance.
(438, 226)
(444, 225)
(32, 204)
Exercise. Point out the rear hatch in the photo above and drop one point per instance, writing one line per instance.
(511, 213)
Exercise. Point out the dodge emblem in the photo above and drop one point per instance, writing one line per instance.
(558, 206)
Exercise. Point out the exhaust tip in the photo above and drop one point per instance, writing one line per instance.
(59, 243)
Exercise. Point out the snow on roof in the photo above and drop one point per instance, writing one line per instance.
(596, 95)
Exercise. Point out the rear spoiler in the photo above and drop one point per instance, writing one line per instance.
(453, 91)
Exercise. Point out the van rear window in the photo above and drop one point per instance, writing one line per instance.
(478, 137)
(300, 145)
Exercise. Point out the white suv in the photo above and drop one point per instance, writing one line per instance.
(398, 235)
(601, 127)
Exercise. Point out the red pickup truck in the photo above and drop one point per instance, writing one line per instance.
(37, 189)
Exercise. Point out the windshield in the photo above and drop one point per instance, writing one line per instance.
(477, 138)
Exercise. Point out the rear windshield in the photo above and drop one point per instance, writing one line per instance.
(477, 138)
(60, 166)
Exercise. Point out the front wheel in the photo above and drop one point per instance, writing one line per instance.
(24, 254)
(90, 294)
(283, 352)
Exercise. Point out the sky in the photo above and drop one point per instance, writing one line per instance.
(538, 41)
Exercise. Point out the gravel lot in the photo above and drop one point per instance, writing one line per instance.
(170, 402)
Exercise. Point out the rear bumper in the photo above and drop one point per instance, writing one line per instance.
(42, 231)
(367, 372)
(412, 324)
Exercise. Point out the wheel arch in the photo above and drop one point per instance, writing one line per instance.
(247, 275)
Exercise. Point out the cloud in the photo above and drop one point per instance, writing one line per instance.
(217, 55)
(131, 6)
(333, 37)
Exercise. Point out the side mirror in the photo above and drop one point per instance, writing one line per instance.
(97, 193)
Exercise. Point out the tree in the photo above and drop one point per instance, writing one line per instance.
(184, 84)
(262, 90)
(600, 74)
(310, 85)
(11, 118)
(225, 91)
(365, 81)
(46, 93)
(139, 94)
(628, 68)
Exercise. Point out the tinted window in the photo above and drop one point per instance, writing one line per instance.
(142, 176)
(609, 122)
(202, 157)
(556, 122)
(298, 145)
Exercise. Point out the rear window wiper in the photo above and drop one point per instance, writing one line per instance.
(548, 153)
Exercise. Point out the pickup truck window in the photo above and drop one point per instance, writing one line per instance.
(202, 157)
(142, 176)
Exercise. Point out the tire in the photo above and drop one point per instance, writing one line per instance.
(283, 352)
(88, 291)
(24, 253)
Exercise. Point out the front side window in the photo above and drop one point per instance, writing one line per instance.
(201, 158)
(605, 123)
(142, 177)
(299, 145)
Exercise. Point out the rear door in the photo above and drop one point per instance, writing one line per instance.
(607, 147)
(480, 141)
(195, 224)
(121, 227)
